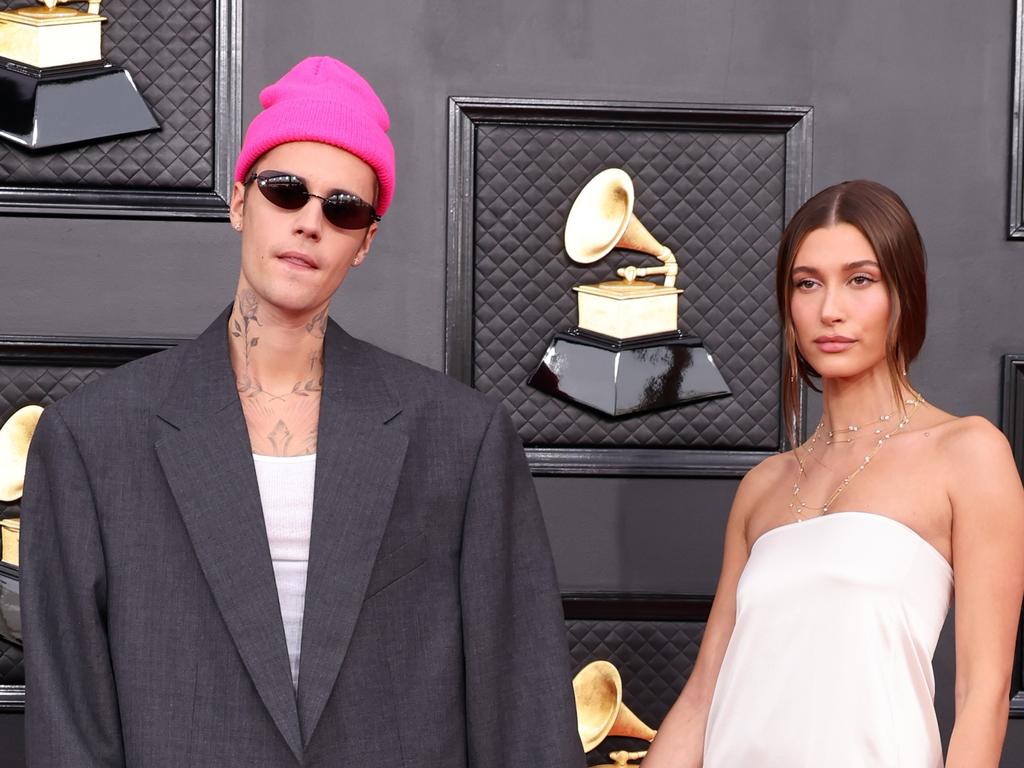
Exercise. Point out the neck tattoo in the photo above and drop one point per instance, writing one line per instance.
(246, 327)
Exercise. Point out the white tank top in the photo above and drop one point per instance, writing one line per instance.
(286, 494)
(830, 660)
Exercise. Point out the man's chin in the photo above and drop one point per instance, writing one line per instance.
(292, 305)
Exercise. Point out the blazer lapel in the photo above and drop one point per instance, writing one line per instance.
(358, 463)
(207, 460)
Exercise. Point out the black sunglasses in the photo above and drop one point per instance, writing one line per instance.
(342, 209)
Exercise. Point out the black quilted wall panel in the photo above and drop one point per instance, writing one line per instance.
(12, 667)
(168, 48)
(717, 198)
(42, 385)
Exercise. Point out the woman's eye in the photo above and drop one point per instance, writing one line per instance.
(805, 285)
(862, 280)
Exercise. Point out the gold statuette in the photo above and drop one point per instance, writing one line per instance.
(600, 220)
(600, 712)
(10, 530)
(15, 437)
(627, 354)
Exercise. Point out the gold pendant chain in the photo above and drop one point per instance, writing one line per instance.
(797, 505)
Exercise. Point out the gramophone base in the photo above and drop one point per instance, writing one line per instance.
(624, 310)
(622, 378)
(10, 533)
(44, 108)
(49, 38)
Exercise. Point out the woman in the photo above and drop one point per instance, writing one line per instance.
(841, 556)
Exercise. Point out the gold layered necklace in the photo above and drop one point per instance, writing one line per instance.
(854, 430)
(797, 506)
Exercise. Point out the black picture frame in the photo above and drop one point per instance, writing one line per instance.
(37, 356)
(1012, 422)
(1016, 207)
(636, 606)
(150, 203)
(467, 114)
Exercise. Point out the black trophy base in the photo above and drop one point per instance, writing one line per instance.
(622, 378)
(45, 108)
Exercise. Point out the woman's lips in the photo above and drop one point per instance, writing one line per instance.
(834, 343)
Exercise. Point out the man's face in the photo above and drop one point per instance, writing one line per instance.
(295, 260)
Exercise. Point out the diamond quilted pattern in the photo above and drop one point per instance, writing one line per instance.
(168, 48)
(12, 668)
(655, 658)
(715, 198)
(24, 384)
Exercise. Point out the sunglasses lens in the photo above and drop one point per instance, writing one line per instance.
(342, 209)
(347, 213)
(284, 191)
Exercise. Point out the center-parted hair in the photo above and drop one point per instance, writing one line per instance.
(881, 216)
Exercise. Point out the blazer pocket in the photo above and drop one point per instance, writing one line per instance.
(396, 565)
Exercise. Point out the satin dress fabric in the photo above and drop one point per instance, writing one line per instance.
(830, 659)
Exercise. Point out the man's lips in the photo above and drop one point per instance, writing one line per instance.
(834, 343)
(297, 259)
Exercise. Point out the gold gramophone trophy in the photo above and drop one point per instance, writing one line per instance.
(15, 437)
(55, 86)
(600, 712)
(627, 354)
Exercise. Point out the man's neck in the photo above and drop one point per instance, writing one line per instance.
(275, 356)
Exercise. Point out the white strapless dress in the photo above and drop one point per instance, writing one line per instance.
(830, 661)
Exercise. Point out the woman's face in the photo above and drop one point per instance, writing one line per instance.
(840, 303)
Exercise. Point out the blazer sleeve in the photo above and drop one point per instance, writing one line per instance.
(71, 710)
(519, 703)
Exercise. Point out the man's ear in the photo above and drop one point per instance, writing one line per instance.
(364, 249)
(237, 205)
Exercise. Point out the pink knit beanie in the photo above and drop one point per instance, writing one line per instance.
(322, 99)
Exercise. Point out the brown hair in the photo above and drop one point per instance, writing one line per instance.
(882, 217)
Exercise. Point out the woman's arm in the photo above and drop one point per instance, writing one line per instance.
(988, 563)
(680, 740)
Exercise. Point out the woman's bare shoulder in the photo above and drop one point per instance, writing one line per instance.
(773, 468)
(975, 461)
(766, 477)
(970, 438)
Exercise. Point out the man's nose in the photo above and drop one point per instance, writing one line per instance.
(309, 219)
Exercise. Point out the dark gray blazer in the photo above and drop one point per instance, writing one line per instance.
(433, 632)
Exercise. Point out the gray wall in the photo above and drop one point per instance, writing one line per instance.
(915, 94)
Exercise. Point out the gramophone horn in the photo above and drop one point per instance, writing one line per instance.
(599, 709)
(599, 216)
(602, 218)
(15, 437)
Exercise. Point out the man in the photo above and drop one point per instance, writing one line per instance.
(278, 545)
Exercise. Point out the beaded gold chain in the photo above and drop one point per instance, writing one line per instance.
(855, 429)
(797, 505)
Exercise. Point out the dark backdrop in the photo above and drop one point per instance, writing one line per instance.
(915, 94)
